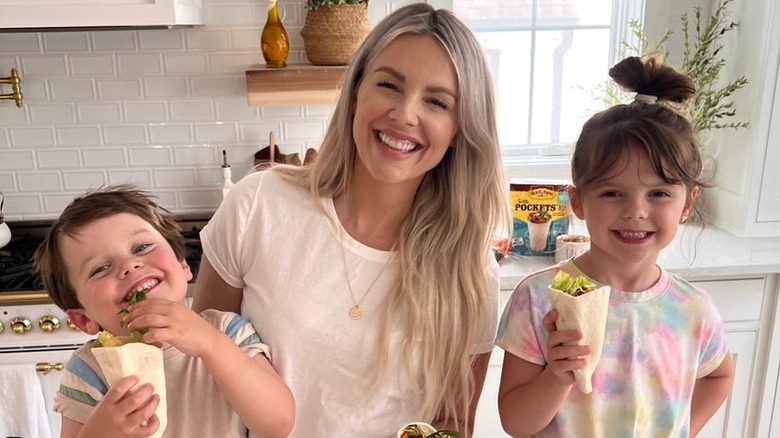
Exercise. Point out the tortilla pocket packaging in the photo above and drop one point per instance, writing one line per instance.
(136, 359)
(540, 213)
(582, 306)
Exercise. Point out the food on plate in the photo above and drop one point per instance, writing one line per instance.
(425, 430)
(122, 356)
(582, 305)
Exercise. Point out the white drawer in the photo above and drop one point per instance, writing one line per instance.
(737, 300)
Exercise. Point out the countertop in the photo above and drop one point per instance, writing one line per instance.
(696, 253)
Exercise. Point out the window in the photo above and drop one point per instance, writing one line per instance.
(548, 58)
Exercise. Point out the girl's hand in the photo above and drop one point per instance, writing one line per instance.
(563, 353)
(122, 414)
(172, 323)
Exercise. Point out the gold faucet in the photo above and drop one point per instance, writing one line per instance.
(16, 88)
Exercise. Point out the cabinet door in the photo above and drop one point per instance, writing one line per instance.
(487, 423)
(769, 198)
(731, 419)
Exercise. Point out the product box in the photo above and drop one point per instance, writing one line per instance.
(540, 212)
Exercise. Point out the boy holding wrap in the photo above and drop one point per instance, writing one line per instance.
(106, 247)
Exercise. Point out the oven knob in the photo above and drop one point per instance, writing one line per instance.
(71, 326)
(49, 323)
(20, 325)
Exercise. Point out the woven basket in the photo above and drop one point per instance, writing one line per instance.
(332, 35)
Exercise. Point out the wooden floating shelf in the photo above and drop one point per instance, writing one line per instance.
(293, 85)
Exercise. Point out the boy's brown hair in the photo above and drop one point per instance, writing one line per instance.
(85, 209)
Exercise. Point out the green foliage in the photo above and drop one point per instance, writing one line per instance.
(313, 5)
(711, 106)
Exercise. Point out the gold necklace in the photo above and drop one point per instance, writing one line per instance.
(355, 312)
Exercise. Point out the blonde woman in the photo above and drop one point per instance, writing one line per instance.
(368, 273)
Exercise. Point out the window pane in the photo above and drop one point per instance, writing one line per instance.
(548, 58)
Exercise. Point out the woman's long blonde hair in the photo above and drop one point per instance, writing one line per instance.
(459, 207)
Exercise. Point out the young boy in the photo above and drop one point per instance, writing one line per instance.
(107, 245)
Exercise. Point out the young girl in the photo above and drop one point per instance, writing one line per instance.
(665, 367)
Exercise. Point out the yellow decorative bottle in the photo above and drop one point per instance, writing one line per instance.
(275, 44)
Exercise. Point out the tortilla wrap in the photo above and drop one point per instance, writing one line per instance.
(426, 428)
(588, 314)
(136, 359)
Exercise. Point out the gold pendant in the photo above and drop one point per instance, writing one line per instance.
(356, 313)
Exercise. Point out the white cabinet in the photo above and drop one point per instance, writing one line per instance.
(746, 197)
(35, 14)
(748, 307)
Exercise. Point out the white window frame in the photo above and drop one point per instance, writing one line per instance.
(553, 160)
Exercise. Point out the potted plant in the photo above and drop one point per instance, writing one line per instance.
(702, 60)
(334, 29)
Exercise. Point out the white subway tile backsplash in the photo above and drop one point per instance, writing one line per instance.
(248, 39)
(165, 87)
(166, 198)
(114, 41)
(197, 155)
(7, 184)
(58, 159)
(174, 177)
(52, 113)
(150, 106)
(220, 14)
(214, 86)
(282, 112)
(39, 182)
(142, 178)
(16, 160)
(20, 42)
(302, 130)
(83, 180)
(186, 63)
(79, 136)
(216, 132)
(124, 134)
(208, 39)
(152, 156)
(235, 109)
(69, 90)
(104, 157)
(65, 42)
(92, 65)
(32, 137)
(42, 65)
(109, 112)
(191, 110)
(54, 203)
(114, 89)
(257, 133)
(139, 64)
(170, 134)
(165, 39)
(22, 205)
(231, 62)
(10, 115)
(145, 112)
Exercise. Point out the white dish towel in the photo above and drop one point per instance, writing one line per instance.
(22, 408)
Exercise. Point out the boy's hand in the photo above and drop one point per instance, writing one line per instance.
(173, 323)
(563, 355)
(124, 414)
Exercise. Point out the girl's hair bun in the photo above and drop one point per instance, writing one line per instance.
(649, 76)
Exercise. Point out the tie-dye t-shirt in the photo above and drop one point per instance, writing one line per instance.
(657, 343)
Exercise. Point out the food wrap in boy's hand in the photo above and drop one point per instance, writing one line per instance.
(124, 356)
(582, 306)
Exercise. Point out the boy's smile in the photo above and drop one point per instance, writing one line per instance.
(113, 257)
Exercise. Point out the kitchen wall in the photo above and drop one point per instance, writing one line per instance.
(152, 107)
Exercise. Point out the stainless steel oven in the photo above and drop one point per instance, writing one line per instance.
(36, 337)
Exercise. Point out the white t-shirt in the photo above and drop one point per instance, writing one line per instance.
(269, 238)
